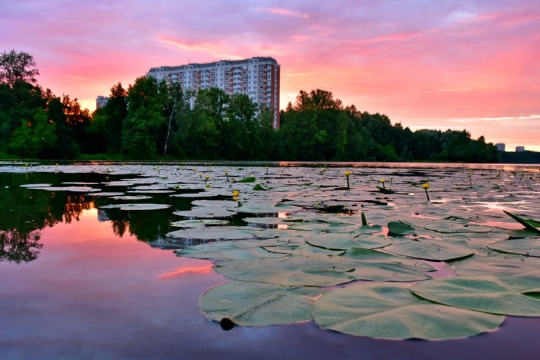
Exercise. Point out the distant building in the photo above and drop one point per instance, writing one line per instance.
(500, 146)
(101, 101)
(520, 148)
(257, 77)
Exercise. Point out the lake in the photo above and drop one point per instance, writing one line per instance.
(88, 267)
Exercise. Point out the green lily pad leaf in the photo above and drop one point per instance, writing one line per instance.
(258, 187)
(35, 186)
(375, 265)
(258, 304)
(214, 233)
(137, 207)
(106, 194)
(231, 250)
(400, 228)
(302, 250)
(482, 293)
(290, 271)
(247, 179)
(199, 223)
(436, 250)
(367, 229)
(531, 225)
(450, 228)
(131, 197)
(527, 246)
(392, 312)
(77, 189)
(266, 221)
(216, 203)
(206, 212)
(337, 241)
(495, 264)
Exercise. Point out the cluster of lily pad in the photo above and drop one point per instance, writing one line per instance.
(381, 261)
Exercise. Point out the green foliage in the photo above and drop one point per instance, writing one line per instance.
(31, 137)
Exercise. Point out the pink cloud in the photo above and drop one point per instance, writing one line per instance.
(285, 12)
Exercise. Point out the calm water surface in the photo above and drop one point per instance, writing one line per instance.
(87, 284)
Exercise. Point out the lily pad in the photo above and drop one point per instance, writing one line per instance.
(199, 223)
(527, 246)
(400, 228)
(131, 197)
(214, 233)
(436, 250)
(227, 250)
(531, 225)
(337, 241)
(290, 271)
(247, 179)
(495, 264)
(392, 312)
(136, 207)
(206, 212)
(258, 304)
(482, 293)
(375, 265)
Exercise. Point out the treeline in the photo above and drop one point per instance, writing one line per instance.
(154, 120)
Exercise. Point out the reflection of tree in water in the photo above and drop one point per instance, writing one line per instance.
(147, 226)
(74, 206)
(23, 211)
(17, 247)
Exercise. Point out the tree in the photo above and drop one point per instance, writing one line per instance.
(32, 136)
(16, 67)
(145, 119)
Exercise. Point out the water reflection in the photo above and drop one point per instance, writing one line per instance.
(18, 247)
(24, 211)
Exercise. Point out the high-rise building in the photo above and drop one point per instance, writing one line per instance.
(101, 101)
(257, 77)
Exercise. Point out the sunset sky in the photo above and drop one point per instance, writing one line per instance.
(453, 64)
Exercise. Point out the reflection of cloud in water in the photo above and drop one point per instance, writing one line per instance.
(203, 269)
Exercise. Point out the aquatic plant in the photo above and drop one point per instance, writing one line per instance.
(425, 186)
(347, 174)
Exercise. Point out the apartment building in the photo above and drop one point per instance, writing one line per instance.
(257, 77)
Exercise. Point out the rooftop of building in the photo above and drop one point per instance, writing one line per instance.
(214, 63)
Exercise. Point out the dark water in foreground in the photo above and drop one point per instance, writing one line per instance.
(89, 286)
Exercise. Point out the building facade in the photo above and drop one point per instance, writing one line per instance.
(257, 77)
(101, 101)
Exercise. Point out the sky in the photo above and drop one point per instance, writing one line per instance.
(427, 64)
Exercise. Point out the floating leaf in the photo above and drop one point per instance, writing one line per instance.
(227, 250)
(495, 264)
(258, 187)
(527, 246)
(137, 207)
(392, 312)
(258, 304)
(337, 241)
(214, 233)
(400, 228)
(436, 250)
(531, 225)
(199, 223)
(247, 179)
(207, 212)
(290, 271)
(375, 265)
(131, 197)
(483, 293)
